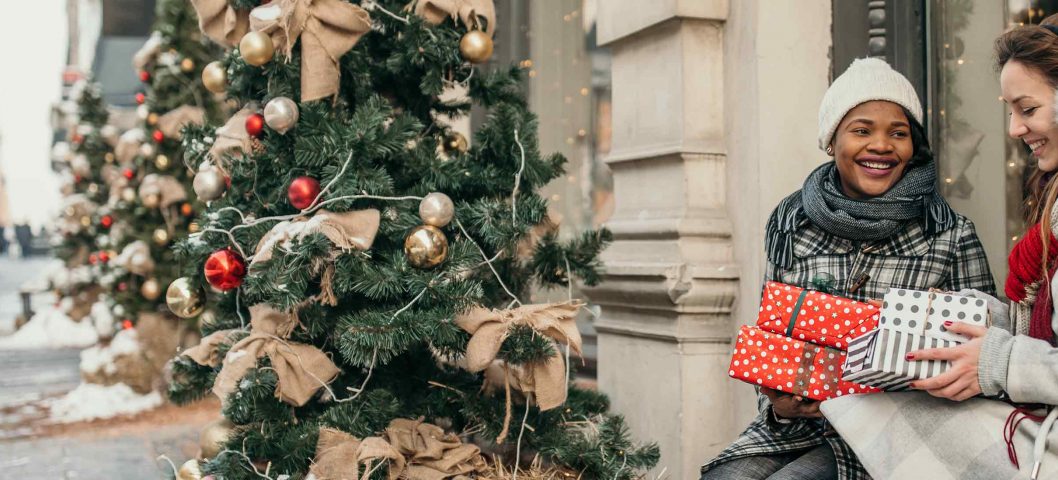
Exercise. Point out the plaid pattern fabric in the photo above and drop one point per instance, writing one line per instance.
(951, 260)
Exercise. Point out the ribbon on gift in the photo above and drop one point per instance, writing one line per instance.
(301, 369)
(207, 353)
(175, 120)
(129, 145)
(807, 366)
(353, 230)
(232, 138)
(327, 29)
(135, 258)
(148, 52)
(415, 449)
(220, 22)
(489, 328)
(168, 189)
(468, 11)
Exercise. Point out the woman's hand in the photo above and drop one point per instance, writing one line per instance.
(960, 381)
(786, 405)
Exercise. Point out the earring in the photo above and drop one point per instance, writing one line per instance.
(830, 150)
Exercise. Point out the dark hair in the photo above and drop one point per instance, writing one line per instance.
(919, 141)
(1035, 47)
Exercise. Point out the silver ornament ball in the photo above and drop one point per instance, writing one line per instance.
(436, 209)
(209, 183)
(281, 114)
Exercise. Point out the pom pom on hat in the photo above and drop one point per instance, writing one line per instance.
(865, 80)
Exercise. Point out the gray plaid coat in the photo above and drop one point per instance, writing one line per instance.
(950, 260)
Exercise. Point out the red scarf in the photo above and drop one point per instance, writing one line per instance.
(1026, 263)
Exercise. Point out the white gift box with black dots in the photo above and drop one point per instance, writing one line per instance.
(911, 320)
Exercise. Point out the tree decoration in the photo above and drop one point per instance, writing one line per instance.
(256, 48)
(213, 436)
(453, 143)
(171, 124)
(128, 173)
(225, 269)
(232, 139)
(426, 246)
(161, 237)
(189, 471)
(158, 136)
(476, 46)
(145, 76)
(209, 183)
(221, 22)
(183, 299)
(187, 65)
(140, 98)
(303, 191)
(147, 150)
(106, 221)
(255, 124)
(167, 190)
(150, 289)
(281, 114)
(161, 162)
(436, 209)
(472, 13)
(215, 77)
(151, 200)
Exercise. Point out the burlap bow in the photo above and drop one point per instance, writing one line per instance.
(489, 328)
(220, 22)
(416, 450)
(148, 52)
(232, 137)
(327, 28)
(168, 189)
(136, 259)
(129, 145)
(76, 206)
(354, 230)
(436, 11)
(174, 121)
(301, 369)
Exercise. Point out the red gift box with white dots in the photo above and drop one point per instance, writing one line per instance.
(802, 354)
(789, 365)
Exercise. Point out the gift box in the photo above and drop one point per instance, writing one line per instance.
(820, 318)
(911, 320)
(790, 365)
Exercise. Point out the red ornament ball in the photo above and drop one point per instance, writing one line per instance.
(93, 259)
(225, 269)
(158, 136)
(128, 173)
(77, 138)
(145, 76)
(122, 286)
(303, 191)
(77, 178)
(106, 221)
(104, 257)
(255, 124)
(140, 98)
(126, 324)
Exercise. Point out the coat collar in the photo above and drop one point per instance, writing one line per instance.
(910, 241)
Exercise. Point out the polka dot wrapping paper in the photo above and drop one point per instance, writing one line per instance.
(821, 318)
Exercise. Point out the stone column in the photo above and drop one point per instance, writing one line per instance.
(671, 280)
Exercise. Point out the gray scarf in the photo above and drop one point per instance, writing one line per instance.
(821, 201)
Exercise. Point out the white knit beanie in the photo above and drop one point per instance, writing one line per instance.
(865, 80)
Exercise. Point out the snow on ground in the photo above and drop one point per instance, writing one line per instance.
(51, 328)
(98, 357)
(91, 401)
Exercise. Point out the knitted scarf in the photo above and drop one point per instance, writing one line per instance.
(821, 201)
(1024, 282)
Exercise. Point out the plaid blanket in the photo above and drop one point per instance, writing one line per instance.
(904, 435)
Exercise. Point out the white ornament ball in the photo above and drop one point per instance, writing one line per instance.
(281, 114)
(209, 183)
(436, 209)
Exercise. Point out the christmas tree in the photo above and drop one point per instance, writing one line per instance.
(82, 244)
(371, 268)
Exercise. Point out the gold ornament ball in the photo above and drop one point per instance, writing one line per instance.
(215, 77)
(162, 162)
(128, 194)
(152, 200)
(192, 227)
(183, 299)
(150, 289)
(187, 65)
(455, 142)
(436, 209)
(281, 114)
(213, 437)
(189, 471)
(476, 46)
(426, 246)
(86, 221)
(93, 188)
(109, 157)
(256, 48)
(152, 119)
(160, 237)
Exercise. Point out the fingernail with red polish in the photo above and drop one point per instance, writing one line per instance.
(947, 323)
(909, 356)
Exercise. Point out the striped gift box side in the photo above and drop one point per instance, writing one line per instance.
(878, 359)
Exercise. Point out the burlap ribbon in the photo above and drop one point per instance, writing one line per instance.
(168, 189)
(135, 258)
(174, 120)
(206, 352)
(416, 450)
(301, 369)
(468, 11)
(489, 328)
(220, 22)
(129, 145)
(353, 230)
(148, 52)
(76, 206)
(327, 28)
(232, 137)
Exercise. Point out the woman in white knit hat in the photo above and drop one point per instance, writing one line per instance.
(866, 221)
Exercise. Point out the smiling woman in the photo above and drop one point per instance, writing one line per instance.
(873, 148)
